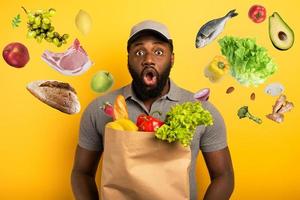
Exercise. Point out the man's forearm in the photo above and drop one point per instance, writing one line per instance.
(220, 188)
(84, 187)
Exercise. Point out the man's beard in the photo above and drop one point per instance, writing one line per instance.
(141, 90)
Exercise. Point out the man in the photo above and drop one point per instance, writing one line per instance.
(150, 59)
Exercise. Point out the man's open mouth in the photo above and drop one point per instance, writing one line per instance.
(150, 76)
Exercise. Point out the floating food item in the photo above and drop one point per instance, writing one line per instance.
(59, 95)
(281, 35)
(102, 81)
(257, 13)
(72, 62)
(249, 63)
(40, 27)
(274, 89)
(83, 22)
(243, 112)
(16, 54)
(229, 90)
(216, 69)
(281, 106)
(252, 96)
(209, 31)
(202, 95)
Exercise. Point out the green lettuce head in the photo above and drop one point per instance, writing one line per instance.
(249, 63)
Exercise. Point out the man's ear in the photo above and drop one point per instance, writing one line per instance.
(172, 59)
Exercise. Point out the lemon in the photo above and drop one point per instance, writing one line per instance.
(83, 22)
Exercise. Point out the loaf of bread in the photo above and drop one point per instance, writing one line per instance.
(56, 94)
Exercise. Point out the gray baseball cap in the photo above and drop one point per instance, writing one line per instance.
(150, 27)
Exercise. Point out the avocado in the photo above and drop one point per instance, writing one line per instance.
(281, 35)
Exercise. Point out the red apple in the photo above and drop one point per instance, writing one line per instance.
(16, 54)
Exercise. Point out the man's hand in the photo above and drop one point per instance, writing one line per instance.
(83, 174)
(221, 174)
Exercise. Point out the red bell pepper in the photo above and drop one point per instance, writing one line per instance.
(148, 123)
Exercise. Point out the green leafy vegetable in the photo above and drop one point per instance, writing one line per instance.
(249, 63)
(16, 21)
(181, 122)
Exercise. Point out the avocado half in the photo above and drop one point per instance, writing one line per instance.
(281, 35)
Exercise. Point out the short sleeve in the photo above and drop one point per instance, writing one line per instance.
(89, 136)
(214, 137)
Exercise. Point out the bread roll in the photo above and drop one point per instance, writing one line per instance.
(56, 94)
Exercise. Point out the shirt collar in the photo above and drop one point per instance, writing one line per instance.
(172, 95)
(128, 91)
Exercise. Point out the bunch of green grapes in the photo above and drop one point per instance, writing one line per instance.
(39, 27)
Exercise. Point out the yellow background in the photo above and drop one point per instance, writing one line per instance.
(37, 142)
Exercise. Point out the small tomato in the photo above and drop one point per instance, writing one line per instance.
(257, 13)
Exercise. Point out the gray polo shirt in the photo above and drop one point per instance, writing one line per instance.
(206, 139)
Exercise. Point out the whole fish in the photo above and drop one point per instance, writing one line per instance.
(209, 31)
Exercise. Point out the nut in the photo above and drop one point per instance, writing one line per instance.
(252, 96)
(229, 90)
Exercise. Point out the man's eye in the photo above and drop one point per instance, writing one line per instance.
(140, 53)
(159, 52)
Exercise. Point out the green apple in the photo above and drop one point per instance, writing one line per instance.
(102, 81)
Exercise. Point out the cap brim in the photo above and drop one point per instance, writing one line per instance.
(147, 32)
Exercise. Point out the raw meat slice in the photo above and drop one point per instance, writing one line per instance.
(72, 62)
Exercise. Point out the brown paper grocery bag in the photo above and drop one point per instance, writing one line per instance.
(137, 166)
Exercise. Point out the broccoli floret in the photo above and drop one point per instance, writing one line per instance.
(243, 112)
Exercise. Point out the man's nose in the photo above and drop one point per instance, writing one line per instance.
(148, 60)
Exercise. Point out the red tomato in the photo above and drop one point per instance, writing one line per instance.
(257, 13)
